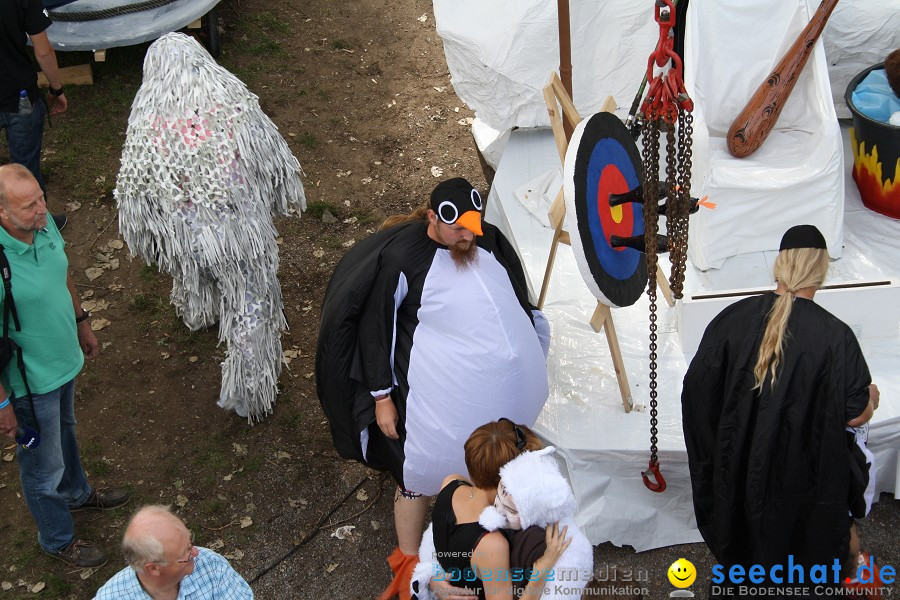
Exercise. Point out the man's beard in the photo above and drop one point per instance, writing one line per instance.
(34, 225)
(464, 254)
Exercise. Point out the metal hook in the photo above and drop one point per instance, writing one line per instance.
(660, 484)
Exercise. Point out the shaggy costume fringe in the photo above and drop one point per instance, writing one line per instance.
(202, 172)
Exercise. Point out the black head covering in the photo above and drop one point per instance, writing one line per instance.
(453, 198)
(802, 236)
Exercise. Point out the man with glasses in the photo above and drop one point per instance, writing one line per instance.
(164, 564)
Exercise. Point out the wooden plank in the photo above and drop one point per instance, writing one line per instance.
(602, 319)
(870, 308)
(557, 212)
(77, 75)
(663, 284)
(568, 107)
(556, 124)
(609, 105)
(100, 55)
(549, 269)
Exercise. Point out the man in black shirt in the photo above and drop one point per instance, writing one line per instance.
(21, 20)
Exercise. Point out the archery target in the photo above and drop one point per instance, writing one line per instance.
(603, 159)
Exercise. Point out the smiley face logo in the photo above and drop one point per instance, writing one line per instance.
(682, 573)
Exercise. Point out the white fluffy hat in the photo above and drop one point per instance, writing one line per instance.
(541, 494)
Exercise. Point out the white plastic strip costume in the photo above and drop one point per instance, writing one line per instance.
(202, 172)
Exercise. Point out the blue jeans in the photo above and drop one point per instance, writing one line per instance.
(51, 474)
(24, 136)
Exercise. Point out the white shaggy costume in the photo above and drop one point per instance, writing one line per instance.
(203, 170)
(542, 496)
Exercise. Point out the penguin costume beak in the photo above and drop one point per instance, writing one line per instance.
(472, 221)
(455, 201)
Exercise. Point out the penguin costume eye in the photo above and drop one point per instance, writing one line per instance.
(448, 212)
(476, 200)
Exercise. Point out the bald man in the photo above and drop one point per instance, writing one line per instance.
(55, 336)
(164, 564)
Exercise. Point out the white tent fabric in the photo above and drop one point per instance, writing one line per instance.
(759, 196)
(604, 448)
(500, 53)
(859, 34)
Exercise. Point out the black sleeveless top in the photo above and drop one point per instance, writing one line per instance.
(454, 542)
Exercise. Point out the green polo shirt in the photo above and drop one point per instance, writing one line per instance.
(48, 336)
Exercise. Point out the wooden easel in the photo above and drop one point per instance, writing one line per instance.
(556, 98)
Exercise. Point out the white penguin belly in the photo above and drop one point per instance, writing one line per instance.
(475, 358)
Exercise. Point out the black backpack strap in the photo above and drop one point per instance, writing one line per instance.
(9, 307)
(6, 272)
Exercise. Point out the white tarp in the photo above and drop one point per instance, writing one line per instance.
(122, 30)
(797, 174)
(501, 52)
(605, 449)
(859, 34)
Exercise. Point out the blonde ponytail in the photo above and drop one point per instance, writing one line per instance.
(795, 269)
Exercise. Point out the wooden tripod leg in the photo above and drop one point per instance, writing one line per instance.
(663, 284)
(602, 319)
(557, 216)
(550, 260)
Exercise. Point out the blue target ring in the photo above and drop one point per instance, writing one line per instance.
(603, 159)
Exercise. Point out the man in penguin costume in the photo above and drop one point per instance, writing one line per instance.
(427, 332)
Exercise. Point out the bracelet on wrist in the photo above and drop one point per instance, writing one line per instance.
(85, 315)
(5, 403)
(55, 92)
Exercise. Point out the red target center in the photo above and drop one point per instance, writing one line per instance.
(616, 220)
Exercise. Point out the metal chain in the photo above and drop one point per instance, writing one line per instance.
(650, 155)
(681, 204)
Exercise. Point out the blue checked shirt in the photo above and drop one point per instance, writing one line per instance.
(213, 579)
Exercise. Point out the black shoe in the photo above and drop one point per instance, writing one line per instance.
(61, 220)
(81, 554)
(105, 499)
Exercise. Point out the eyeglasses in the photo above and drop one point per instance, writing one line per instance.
(520, 435)
(190, 553)
(190, 557)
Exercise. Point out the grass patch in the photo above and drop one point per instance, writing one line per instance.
(252, 464)
(149, 273)
(308, 140)
(57, 586)
(151, 305)
(266, 46)
(96, 467)
(364, 218)
(333, 242)
(317, 208)
(92, 458)
(266, 21)
(211, 505)
(216, 459)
